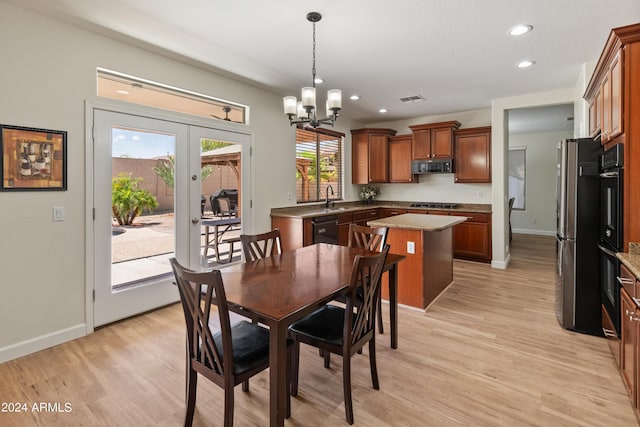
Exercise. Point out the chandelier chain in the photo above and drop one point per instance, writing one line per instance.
(313, 67)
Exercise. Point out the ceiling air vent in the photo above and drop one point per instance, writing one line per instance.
(414, 98)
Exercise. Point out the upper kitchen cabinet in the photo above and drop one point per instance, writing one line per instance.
(616, 79)
(433, 140)
(370, 155)
(472, 160)
(400, 159)
(606, 89)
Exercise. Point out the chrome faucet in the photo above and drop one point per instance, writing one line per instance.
(326, 203)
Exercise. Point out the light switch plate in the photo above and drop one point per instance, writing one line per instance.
(58, 213)
(411, 247)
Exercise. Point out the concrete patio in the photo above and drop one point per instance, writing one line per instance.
(142, 250)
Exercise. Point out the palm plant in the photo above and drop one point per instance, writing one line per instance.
(165, 169)
(128, 200)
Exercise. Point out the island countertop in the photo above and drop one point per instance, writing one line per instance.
(422, 222)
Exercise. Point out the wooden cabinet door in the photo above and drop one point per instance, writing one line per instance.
(360, 158)
(378, 158)
(472, 240)
(606, 108)
(628, 342)
(615, 78)
(472, 161)
(599, 108)
(400, 159)
(442, 143)
(593, 112)
(421, 144)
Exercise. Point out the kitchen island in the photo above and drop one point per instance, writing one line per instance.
(427, 241)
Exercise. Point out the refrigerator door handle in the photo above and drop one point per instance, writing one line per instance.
(560, 254)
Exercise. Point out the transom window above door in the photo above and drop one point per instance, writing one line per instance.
(114, 85)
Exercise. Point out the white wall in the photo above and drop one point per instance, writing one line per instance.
(48, 73)
(539, 215)
(437, 188)
(499, 170)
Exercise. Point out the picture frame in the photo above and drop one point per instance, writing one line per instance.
(32, 159)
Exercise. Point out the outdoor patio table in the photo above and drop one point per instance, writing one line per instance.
(282, 289)
(213, 240)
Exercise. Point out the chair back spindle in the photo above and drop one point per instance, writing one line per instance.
(371, 238)
(365, 283)
(259, 246)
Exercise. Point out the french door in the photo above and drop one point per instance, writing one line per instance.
(131, 272)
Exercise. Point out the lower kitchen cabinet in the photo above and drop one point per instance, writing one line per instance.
(344, 220)
(471, 239)
(628, 354)
(628, 343)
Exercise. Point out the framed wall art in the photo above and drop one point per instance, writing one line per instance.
(33, 159)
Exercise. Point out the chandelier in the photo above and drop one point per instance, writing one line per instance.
(304, 111)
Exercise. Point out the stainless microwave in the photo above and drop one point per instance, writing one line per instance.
(419, 167)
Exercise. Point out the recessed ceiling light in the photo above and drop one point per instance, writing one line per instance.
(382, 110)
(525, 64)
(318, 80)
(354, 97)
(519, 30)
(122, 92)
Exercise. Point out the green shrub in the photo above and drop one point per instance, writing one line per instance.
(128, 200)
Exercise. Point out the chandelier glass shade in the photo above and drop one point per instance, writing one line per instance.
(305, 111)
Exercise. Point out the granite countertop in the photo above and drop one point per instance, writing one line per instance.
(422, 222)
(311, 211)
(631, 259)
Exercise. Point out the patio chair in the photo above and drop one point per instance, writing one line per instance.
(225, 207)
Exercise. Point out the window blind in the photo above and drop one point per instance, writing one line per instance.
(318, 164)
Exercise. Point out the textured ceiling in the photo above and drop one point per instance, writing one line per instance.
(455, 53)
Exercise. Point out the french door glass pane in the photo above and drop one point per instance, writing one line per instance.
(143, 226)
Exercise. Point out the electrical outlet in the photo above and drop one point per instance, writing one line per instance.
(411, 247)
(289, 195)
(534, 220)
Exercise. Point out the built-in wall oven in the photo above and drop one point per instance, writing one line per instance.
(609, 286)
(611, 173)
(611, 237)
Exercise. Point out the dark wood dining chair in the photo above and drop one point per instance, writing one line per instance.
(344, 330)
(373, 239)
(258, 246)
(227, 357)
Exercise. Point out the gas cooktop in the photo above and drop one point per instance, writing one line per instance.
(434, 205)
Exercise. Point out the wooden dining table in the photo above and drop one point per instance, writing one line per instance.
(280, 290)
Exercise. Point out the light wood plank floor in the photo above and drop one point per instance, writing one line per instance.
(489, 352)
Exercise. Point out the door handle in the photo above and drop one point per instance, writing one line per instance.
(195, 220)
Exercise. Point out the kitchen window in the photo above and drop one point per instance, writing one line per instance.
(318, 164)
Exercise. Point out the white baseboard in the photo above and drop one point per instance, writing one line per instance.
(32, 345)
(502, 265)
(536, 232)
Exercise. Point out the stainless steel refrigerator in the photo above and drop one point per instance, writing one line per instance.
(577, 235)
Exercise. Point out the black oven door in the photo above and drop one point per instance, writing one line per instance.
(609, 287)
(611, 206)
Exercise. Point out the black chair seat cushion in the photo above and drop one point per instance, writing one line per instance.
(325, 324)
(250, 346)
